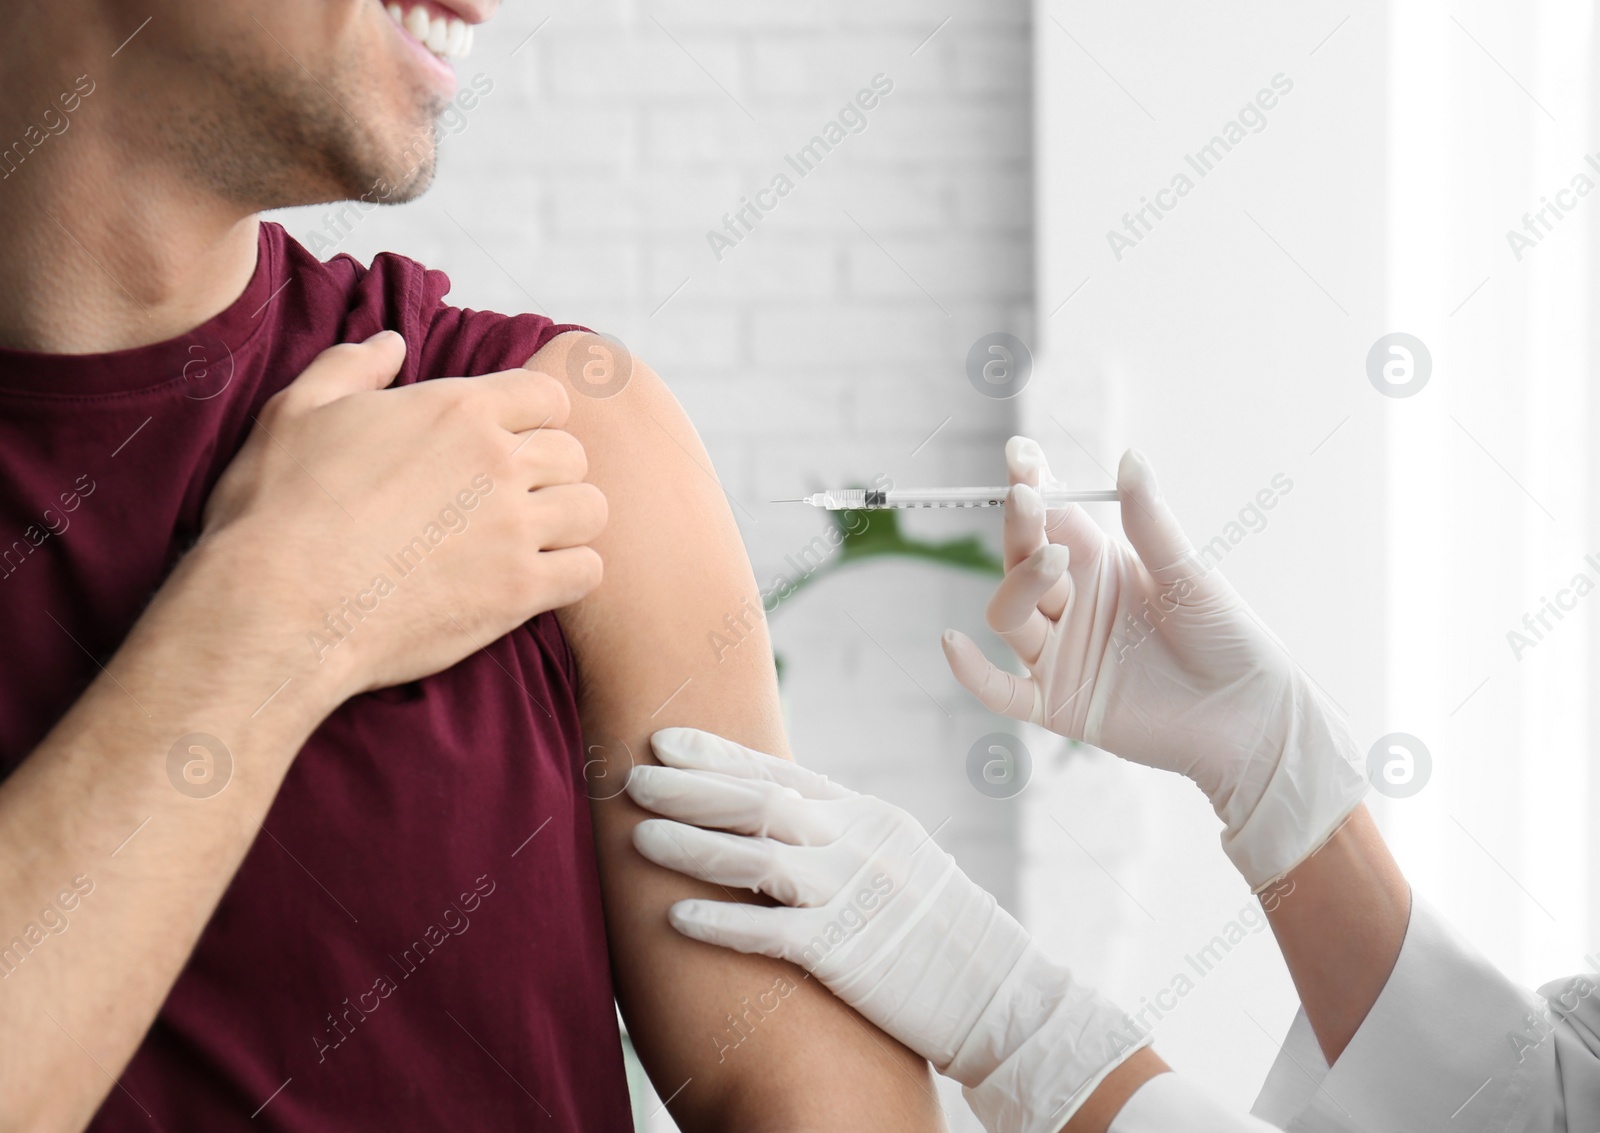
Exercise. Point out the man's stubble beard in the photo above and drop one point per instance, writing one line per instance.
(275, 139)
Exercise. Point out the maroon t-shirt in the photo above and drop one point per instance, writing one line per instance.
(416, 941)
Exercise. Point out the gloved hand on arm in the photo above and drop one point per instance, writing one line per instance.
(1150, 655)
(888, 921)
(883, 917)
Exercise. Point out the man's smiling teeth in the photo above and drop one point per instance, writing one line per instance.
(446, 38)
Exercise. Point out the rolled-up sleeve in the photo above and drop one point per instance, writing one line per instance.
(1450, 1044)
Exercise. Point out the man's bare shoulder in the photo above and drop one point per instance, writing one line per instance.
(672, 551)
(611, 389)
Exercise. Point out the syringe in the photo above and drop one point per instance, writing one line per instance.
(872, 499)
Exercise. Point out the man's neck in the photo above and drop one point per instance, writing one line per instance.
(105, 247)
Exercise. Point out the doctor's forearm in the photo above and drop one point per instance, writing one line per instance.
(1340, 918)
(1111, 1095)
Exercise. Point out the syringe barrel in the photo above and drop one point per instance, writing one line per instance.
(878, 499)
(941, 497)
(840, 499)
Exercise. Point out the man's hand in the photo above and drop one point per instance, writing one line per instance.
(407, 527)
(363, 537)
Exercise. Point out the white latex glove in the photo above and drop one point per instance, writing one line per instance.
(885, 919)
(1148, 654)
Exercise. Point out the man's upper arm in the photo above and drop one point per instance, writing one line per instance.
(742, 1042)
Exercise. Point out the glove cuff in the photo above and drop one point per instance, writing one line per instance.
(1317, 783)
(1040, 1048)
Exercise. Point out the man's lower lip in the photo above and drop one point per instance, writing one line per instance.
(442, 73)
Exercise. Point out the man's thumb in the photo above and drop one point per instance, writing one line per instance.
(350, 367)
(1149, 523)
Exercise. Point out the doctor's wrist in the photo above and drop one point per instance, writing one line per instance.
(1111, 1097)
(1314, 787)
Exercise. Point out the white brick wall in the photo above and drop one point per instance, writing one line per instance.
(814, 353)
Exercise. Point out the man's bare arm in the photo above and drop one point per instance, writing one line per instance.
(736, 1042)
(90, 821)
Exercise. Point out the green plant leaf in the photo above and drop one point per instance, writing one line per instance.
(877, 534)
(872, 533)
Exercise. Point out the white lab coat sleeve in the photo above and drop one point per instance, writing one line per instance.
(1451, 1044)
(1170, 1103)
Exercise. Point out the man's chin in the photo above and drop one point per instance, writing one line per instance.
(407, 167)
(393, 174)
(404, 185)
(393, 187)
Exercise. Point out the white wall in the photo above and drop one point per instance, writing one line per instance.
(1214, 346)
(826, 348)
(1500, 447)
(1231, 343)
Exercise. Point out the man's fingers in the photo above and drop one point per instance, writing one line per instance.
(695, 750)
(996, 689)
(520, 400)
(550, 456)
(566, 576)
(1014, 610)
(350, 367)
(743, 928)
(1150, 525)
(759, 864)
(746, 806)
(565, 515)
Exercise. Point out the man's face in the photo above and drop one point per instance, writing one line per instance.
(282, 102)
